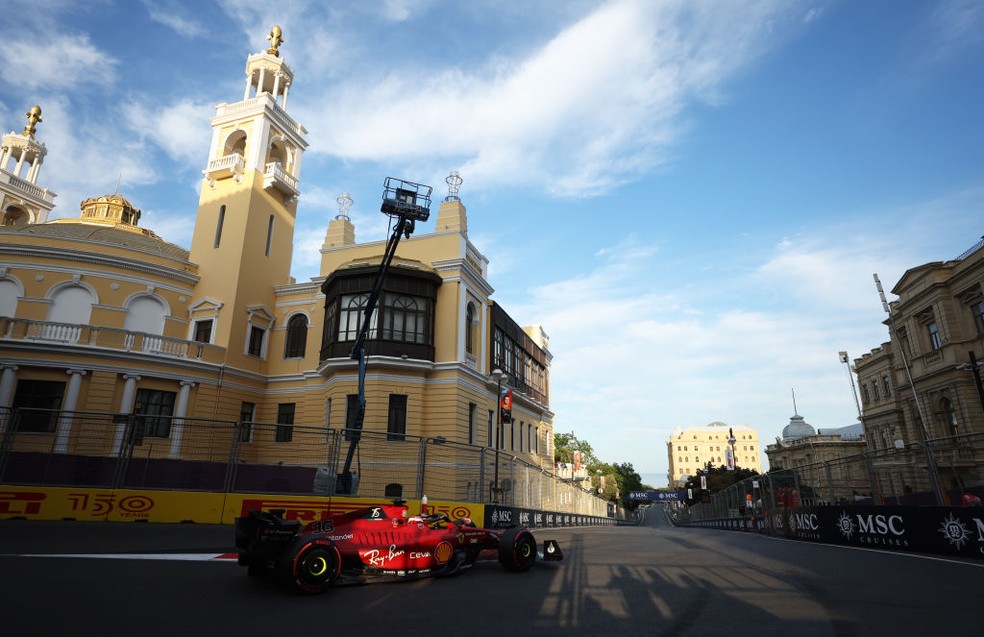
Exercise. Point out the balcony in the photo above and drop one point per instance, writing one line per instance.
(26, 187)
(276, 177)
(229, 166)
(46, 334)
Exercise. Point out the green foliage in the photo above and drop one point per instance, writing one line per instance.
(620, 479)
(718, 479)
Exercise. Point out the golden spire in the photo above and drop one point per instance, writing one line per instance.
(276, 38)
(33, 118)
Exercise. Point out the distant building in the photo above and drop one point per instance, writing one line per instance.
(819, 458)
(693, 448)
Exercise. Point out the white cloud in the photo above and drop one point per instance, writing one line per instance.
(181, 129)
(59, 61)
(169, 13)
(593, 107)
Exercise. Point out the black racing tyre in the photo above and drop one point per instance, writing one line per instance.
(311, 565)
(517, 550)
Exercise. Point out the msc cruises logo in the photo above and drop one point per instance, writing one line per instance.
(954, 531)
(846, 525)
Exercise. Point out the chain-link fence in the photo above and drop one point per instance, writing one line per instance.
(60, 448)
(935, 473)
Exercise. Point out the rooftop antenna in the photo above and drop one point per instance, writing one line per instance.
(118, 178)
(795, 411)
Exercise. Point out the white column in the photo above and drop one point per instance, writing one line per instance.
(259, 84)
(4, 156)
(276, 85)
(249, 83)
(20, 164)
(69, 405)
(8, 378)
(180, 411)
(286, 88)
(32, 176)
(126, 406)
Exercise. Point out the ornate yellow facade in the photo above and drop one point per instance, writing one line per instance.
(98, 314)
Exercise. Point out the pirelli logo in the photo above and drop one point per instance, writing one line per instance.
(301, 510)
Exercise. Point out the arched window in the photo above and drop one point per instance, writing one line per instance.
(144, 323)
(470, 328)
(235, 143)
(296, 341)
(145, 314)
(350, 317)
(71, 306)
(10, 291)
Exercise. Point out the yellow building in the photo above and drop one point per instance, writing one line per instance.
(100, 316)
(693, 448)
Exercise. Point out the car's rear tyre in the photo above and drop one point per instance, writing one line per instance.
(517, 550)
(310, 565)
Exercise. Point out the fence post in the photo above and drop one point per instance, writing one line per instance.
(233, 463)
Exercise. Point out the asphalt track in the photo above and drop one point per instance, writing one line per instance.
(647, 580)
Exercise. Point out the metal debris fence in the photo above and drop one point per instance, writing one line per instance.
(86, 449)
(937, 472)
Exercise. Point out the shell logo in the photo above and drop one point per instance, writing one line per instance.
(443, 551)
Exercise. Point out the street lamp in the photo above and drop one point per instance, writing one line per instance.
(734, 458)
(497, 375)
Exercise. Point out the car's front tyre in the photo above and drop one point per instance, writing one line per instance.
(517, 550)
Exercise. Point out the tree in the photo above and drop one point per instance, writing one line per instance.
(718, 479)
(566, 444)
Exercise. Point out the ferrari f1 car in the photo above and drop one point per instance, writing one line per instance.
(377, 543)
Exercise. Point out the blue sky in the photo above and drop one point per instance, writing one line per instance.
(691, 197)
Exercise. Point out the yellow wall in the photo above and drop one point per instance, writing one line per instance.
(130, 505)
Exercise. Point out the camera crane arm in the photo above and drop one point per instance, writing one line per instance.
(406, 202)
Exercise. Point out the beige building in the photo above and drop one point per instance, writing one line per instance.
(919, 385)
(693, 448)
(101, 315)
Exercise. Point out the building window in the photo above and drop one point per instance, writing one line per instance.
(934, 336)
(256, 338)
(874, 388)
(472, 408)
(887, 385)
(285, 422)
(203, 331)
(154, 408)
(865, 398)
(296, 341)
(247, 412)
(470, 329)
(350, 316)
(977, 309)
(351, 414)
(404, 318)
(218, 226)
(37, 403)
(396, 421)
(949, 417)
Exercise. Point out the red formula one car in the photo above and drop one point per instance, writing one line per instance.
(383, 542)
